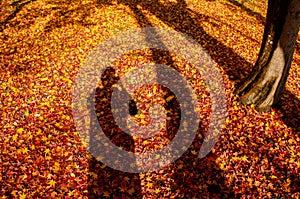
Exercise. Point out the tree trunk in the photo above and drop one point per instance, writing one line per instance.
(266, 83)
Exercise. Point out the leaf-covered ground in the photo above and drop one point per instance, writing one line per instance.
(43, 44)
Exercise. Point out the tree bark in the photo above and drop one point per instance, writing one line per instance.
(266, 83)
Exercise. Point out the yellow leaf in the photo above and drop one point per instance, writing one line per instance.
(94, 175)
(298, 164)
(222, 166)
(14, 137)
(20, 130)
(47, 151)
(170, 98)
(52, 183)
(149, 185)
(145, 142)
(35, 173)
(157, 156)
(25, 150)
(48, 158)
(32, 147)
(156, 190)
(123, 189)
(194, 152)
(235, 108)
(44, 138)
(244, 158)
(23, 196)
(143, 121)
(154, 89)
(256, 183)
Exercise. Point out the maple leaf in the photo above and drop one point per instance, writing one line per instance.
(131, 191)
(180, 166)
(106, 194)
(34, 173)
(48, 157)
(47, 151)
(244, 158)
(149, 185)
(194, 152)
(23, 196)
(20, 130)
(44, 138)
(71, 193)
(56, 167)
(52, 183)
(25, 150)
(14, 137)
(32, 147)
(156, 190)
(94, 175)
(149, 178)
(123, 188)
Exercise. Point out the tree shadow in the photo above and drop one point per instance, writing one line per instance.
(250, 12)
(182, 19)
(289, 110)
(17, 7)
(297, 46)
(25, 13)
(63, 13)
(199, 178)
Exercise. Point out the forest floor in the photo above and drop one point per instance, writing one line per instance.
(44, 43)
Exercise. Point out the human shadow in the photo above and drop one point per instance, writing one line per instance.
(104, 181)
(192, 178)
